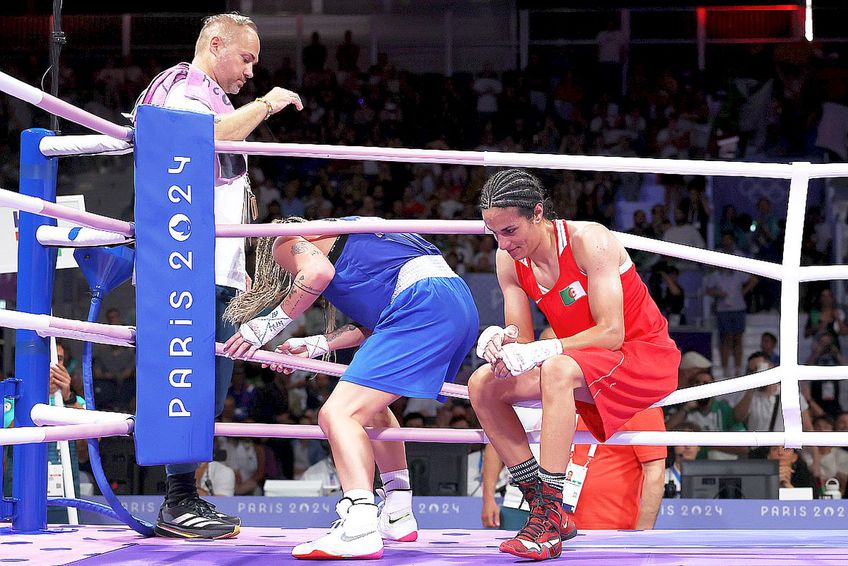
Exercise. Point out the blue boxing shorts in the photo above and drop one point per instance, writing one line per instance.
(420, 341)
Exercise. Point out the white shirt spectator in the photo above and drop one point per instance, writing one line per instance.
(426, 407)
(487, 89)
(833, 463)
(241, 456)
(731, 283)
(324, 470)
(762, 409)
(474, 487)
(229, 206)
(685, 234)
(267, 193)
(448, 209)
(218, 479)
(832, 133)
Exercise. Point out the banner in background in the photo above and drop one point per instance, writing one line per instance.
(9, 236)
(464, 512)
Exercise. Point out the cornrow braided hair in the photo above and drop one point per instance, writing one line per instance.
(271, 284)
(515, 188)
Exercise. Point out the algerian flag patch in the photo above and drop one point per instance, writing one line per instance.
(572, 293)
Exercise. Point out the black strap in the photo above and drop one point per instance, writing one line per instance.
(774, 412)
(337, 248)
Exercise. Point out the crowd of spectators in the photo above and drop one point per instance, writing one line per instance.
(551, 106)
(824, 407)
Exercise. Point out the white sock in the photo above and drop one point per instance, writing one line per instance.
(398, 493)
(399, 479)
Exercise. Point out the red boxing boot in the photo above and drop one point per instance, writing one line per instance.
(547, 526)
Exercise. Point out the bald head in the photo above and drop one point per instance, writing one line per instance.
(224, 26)
(227, 49)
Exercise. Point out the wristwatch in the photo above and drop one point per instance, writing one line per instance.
(72, 401)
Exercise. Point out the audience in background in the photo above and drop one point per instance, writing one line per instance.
(793, 471)
(550, 106)
(826, 462)
(760, 408)
(729, 288)
(673, 475)
(710, 414)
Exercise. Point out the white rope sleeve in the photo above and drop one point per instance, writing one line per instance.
(77, 237)
(95, 144)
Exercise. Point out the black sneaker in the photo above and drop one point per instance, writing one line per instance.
(192, 518)
(233, 520)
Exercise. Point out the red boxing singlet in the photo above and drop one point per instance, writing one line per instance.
(622, 382)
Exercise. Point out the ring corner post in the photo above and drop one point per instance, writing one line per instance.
(36, 273)
(175, 281)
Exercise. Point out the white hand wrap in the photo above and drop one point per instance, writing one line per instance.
(486, 337)
(262, 329)
(316, 346)
(521, 358)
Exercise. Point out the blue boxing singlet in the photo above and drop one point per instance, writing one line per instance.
(367, 271)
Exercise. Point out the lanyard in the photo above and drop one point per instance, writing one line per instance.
(592, 448)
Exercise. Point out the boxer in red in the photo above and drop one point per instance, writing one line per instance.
(612, 356)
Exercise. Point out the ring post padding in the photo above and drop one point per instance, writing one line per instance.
(175, 291)
(36, 270)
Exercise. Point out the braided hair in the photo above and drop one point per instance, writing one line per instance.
(271, 284)
(516, 188)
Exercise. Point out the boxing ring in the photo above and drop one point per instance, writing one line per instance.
(30, 541)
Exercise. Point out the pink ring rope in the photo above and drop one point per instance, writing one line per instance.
(45, 414)
(58, 107)
(32, 434)
(51, 209)
(361, 226)
(46, 325)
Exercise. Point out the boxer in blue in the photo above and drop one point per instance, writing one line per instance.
(415, 321)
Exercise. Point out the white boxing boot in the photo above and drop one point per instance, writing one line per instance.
(396, 521)
(354, 536)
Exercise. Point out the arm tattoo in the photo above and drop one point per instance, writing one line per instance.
(341, 330)
(304, 287)
(299, 248)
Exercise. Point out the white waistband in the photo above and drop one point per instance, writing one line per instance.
(420, 268)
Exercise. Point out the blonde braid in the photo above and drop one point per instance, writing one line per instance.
(271, 284)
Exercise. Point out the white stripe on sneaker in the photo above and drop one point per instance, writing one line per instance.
(183, 518)
(196, 522)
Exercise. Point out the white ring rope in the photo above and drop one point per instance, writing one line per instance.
(505, 159)
(790, 400)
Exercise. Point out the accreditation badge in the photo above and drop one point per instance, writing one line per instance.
(575, 476)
